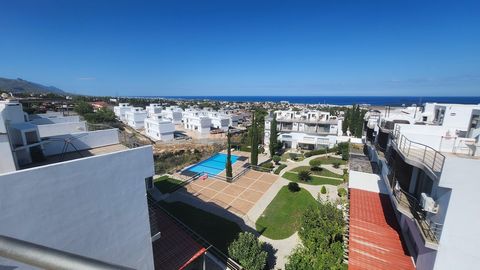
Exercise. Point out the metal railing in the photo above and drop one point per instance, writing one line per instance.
(432, 159)
(49, 258)
(430, 230)
(230, 263)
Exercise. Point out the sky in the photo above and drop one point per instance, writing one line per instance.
(244, 48)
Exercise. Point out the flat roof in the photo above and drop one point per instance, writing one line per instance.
(375, 239)
(78, 154)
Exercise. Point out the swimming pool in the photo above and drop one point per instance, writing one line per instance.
(213, 165)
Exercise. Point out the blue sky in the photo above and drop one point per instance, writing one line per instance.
(242, 47)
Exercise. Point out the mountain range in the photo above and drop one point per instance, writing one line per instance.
(22, 86)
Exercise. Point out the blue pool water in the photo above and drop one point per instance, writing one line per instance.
(213, 165)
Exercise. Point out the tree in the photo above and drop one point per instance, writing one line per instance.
(82, 107)
(304, 176)
(273, 146)
(254, 142)
(228, 164)
(248, 251)
(276, 159)
(323, 190)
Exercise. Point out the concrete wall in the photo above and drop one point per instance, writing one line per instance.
(94, 206)
(7, 163)
(83, 140)
(61, 128)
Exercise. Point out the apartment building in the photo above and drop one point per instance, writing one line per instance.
(79, 192)
(305, 129)
(430, 167)
(158, 128)
(121, 109)
(135, 117)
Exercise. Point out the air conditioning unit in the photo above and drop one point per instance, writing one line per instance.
(428, 204)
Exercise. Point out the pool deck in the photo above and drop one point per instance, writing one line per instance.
(237, 197)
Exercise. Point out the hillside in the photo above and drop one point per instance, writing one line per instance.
(23, 86)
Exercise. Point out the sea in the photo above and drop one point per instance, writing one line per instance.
(336, 100)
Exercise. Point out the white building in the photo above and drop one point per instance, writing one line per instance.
(196, 121)
(153, 108)
(305, 129)
(135, 117)
(219, 120)
(174, 114)
(158, 128)
(430, 168)
(82, 192)
(121, 109)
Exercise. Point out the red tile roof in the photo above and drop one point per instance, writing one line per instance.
(375, 240)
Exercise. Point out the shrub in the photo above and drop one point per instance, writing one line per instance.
(276, 159)
(293, 187)
(293, 156)
(281, 167)
(304, 176)
(323, 190)
(336, 165)
(315, 162)
(316, 169)
(342, 192)
(261, 150)
(345, 155)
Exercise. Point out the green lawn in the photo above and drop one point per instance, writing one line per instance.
(316, 180)
(216, 230)
(323, 172)
(281, 219)
(166, 184)
(331, 160)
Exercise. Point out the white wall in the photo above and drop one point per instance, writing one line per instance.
(94, 206)
(7, 163)
(61, 128)
(460, 237)
(84, 140)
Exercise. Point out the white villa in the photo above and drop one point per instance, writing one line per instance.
(72, 190)
(158, 128)
(197, 121)
(174, 114)
(121, 109)
(153, 108)
(219, 120)
(305, 129)
(135, 117)
(430, 166)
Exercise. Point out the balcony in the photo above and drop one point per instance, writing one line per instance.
(418, 154)
(408, 205)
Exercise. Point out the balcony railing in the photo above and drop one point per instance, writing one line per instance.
(432, 159)
(410, 206)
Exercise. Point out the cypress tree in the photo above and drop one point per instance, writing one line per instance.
(228, 165)
(273, 136)
(254, 152)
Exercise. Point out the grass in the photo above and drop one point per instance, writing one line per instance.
(331, 160)
(166, 184)
(323, 172)
(315, 180)
(218, 231)
(282, 217)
